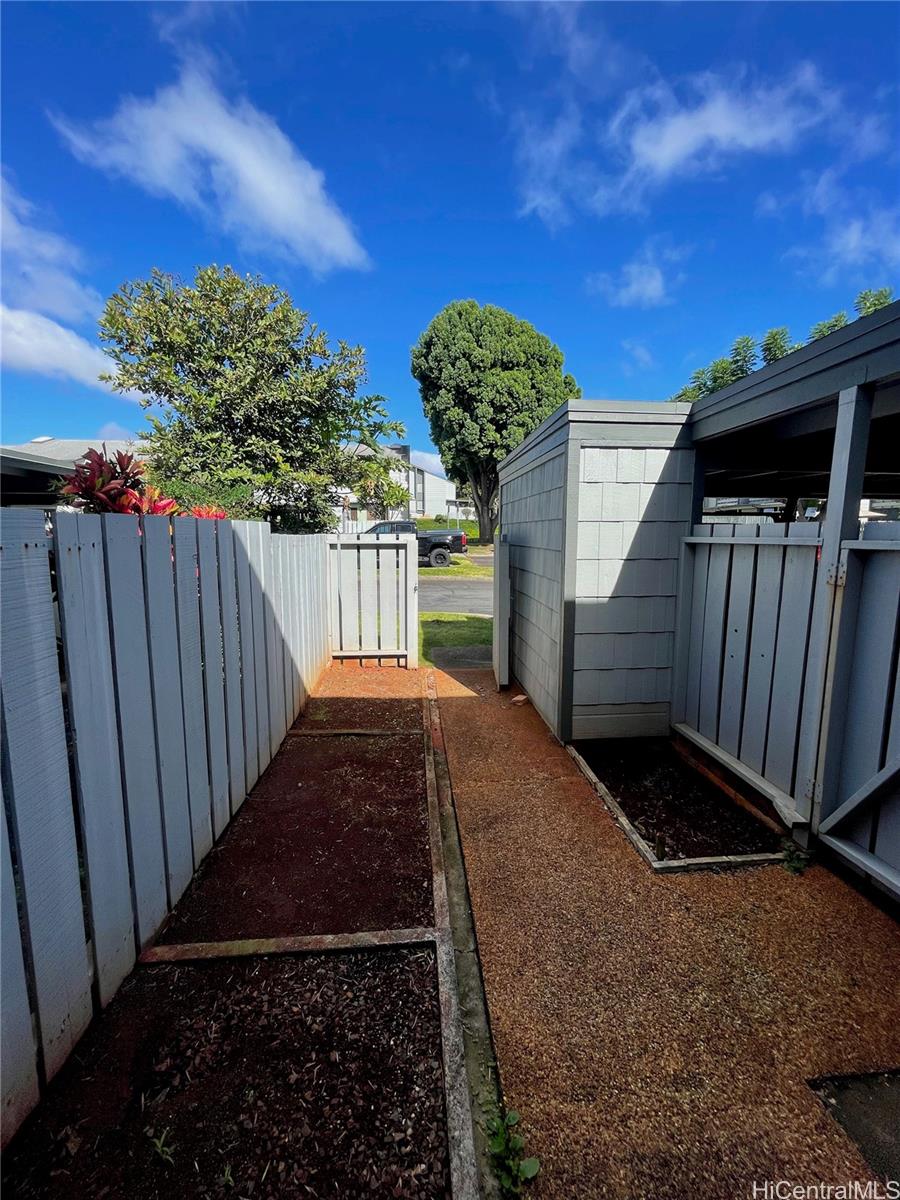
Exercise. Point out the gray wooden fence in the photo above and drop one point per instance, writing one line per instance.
(150, 670)
(745, 691)
(374, 597)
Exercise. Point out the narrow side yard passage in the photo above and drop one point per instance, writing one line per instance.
(657, 1034)
(223, 1068)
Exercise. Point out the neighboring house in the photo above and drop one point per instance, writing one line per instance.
(29, 473)
(429, 494)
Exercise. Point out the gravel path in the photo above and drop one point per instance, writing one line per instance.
(656, 1034)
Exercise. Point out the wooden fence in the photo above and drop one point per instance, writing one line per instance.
(374, 597)
(151, 668)
(824, 748)
(745, 600)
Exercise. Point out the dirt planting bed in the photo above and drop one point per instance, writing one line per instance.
(333, 839)
(364, 712)
(663, 797)
(287, 1077)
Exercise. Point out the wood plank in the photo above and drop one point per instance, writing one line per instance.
(84, 622)
(19, 1053)
(782, 802)
(388, 556)
(231, 665)
(316, 943)
(411, 571)
(242, 535)
(700, 572)
(187, 606)
(261, 667)
(761, 661)
(165, 674)
(274, 659)
(790, 656)
(713, 639)
(737, 639)
(368, 597)
(883, 781)
(348, 576)
(137, 730)
(213, 674)
(42, 823)
(285, 608)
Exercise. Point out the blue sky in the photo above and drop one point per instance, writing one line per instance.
(642, 182)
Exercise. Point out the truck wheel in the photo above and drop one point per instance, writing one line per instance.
(439, 557)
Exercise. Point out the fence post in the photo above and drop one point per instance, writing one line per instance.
(500, 648)
(412, 602)
(845, 487)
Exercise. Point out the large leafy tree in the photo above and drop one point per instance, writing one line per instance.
(774, 345)
(250, 405)
(486, 379)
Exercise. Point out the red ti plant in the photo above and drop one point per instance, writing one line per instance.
(104, 484)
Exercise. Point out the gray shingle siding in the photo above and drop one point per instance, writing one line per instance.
(532, 519)
(634, 506)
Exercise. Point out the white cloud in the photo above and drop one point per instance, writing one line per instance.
(39, 266)
(639, 357)
(429, 462)
(544, 154)
(36, 344)
(644, 282)
(227, 160)
(662, 132)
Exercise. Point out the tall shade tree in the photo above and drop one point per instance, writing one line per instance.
(251, 407)
(487, 378)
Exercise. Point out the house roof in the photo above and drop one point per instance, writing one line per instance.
(67, 450)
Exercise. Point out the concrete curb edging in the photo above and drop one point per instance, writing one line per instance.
(666, 866)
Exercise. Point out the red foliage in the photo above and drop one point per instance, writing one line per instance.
(206, 510)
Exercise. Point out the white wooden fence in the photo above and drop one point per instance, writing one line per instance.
(374, 597)
(137, 714)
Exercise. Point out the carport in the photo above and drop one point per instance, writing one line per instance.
(772, 647)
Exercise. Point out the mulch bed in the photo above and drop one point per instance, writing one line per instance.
(660, 794)
(360, 712)
(287, 1077)
(333, 839)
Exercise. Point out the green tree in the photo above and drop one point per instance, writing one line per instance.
(871, 300)
(743, 357)
(776, 344)
(487, 379)
(253, 409)
(823, 328)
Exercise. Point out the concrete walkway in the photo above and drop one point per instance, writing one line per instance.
(656, 1033)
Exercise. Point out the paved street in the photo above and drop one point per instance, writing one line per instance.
(456, 595)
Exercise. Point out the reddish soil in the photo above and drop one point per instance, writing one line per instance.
(333, 839)
(287, 1077)
(661, 795)
(344, 712)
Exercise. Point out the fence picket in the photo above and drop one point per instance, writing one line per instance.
(734, 666)
(137, 739)
(761, 660)
(242, 535)
(213, 677)
(187, 598)
(373, 609)
(165, 675)
(42, 824)
(19, 1076)
(260, 662)
(231, 659)
(81, 589)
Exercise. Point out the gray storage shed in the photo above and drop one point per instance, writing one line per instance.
(593, 506)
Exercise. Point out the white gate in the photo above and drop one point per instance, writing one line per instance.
(374, 587)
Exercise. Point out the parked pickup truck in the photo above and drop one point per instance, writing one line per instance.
(435, 545)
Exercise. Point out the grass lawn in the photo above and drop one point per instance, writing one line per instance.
(470, 527)
(451, 629)
(460, 568)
